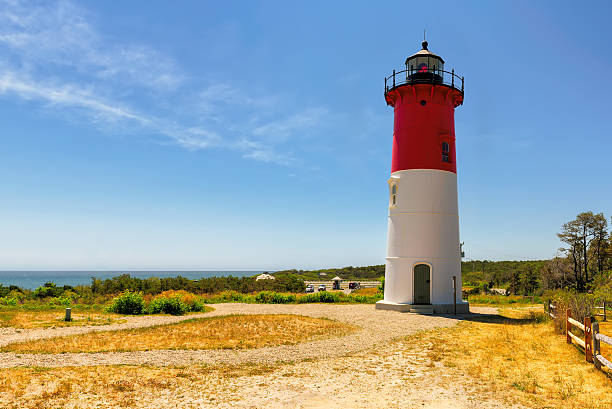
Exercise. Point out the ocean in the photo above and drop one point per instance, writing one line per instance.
(33, 279)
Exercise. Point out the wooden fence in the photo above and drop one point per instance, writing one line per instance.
(603, 308)
(343, 284)
(598, 337)
(590, 341)
(551, 310)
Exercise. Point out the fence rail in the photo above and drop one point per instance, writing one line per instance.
(598, 359)
(586, 328)
(552, 310)
(603, 310)
(344, 284)
(592, 339)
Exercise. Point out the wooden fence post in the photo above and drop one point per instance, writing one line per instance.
(588, 339)
(604, 305)
(596, 345)
(568, 314)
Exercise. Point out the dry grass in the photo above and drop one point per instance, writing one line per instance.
(226, 332)
(114, 386)
(50, 319)
(520, 358)
(366, 291)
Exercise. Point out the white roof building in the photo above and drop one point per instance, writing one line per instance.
(265, 276)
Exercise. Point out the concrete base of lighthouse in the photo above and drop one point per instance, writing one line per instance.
(462, 307)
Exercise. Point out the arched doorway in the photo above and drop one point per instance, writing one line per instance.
(421, 284)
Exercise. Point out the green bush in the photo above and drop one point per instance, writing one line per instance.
(308, 298)
(169, 305)
(271, 297)
(48, 290)
(197, 306)
(10, 301)
(128, 302)
(64, 301)
(503, 299)
(580, 305)
(326, 296)
(231, 296)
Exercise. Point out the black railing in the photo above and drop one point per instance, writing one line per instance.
(433, 76)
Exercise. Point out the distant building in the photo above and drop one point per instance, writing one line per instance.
(265, 276)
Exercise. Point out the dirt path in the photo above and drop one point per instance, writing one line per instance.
(377, 327)
(392, 376)
(372, 368)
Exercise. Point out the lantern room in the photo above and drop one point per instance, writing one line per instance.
(425, 65)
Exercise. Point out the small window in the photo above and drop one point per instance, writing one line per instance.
(445, 152)
(393, 195)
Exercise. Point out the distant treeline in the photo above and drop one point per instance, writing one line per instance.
(346, 273)
(498, 274)
(208, 285)
(155, 285)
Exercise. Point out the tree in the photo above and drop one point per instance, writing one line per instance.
(570, 235)
(530, 281)
(599, 244)
(515, 283)
(586, 239)
(556, 273)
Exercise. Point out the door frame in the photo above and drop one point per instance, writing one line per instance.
(416, 263)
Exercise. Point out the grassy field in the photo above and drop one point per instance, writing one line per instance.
(366, 291)
(226, 332)
(51, 318)
(520, 357)
(516, 357)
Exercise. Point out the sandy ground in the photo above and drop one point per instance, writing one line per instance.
(374, 367)
(375, 327)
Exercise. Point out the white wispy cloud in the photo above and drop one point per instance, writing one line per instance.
(59, 33)
(65, 95)
(56, 57)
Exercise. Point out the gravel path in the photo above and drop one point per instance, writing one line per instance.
(377, 327)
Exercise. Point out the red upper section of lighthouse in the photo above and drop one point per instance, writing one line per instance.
(424, 98)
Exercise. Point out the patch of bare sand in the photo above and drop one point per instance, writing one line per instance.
(395, 375)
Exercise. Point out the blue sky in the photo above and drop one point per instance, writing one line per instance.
(254, 135)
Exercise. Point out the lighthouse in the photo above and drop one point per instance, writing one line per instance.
(423, 263)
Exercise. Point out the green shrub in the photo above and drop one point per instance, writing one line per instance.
(271, 297)
(48, 290)
(503, 299)
(361, 298)
(167, 305)
(10, 301)
(231, 296)
(65, 301)
(197, 306)
(188, 301)
(128, 302)
(308, 298)
(326, 296)
(580, 305)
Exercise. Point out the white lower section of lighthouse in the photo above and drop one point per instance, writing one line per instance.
(423, 250)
